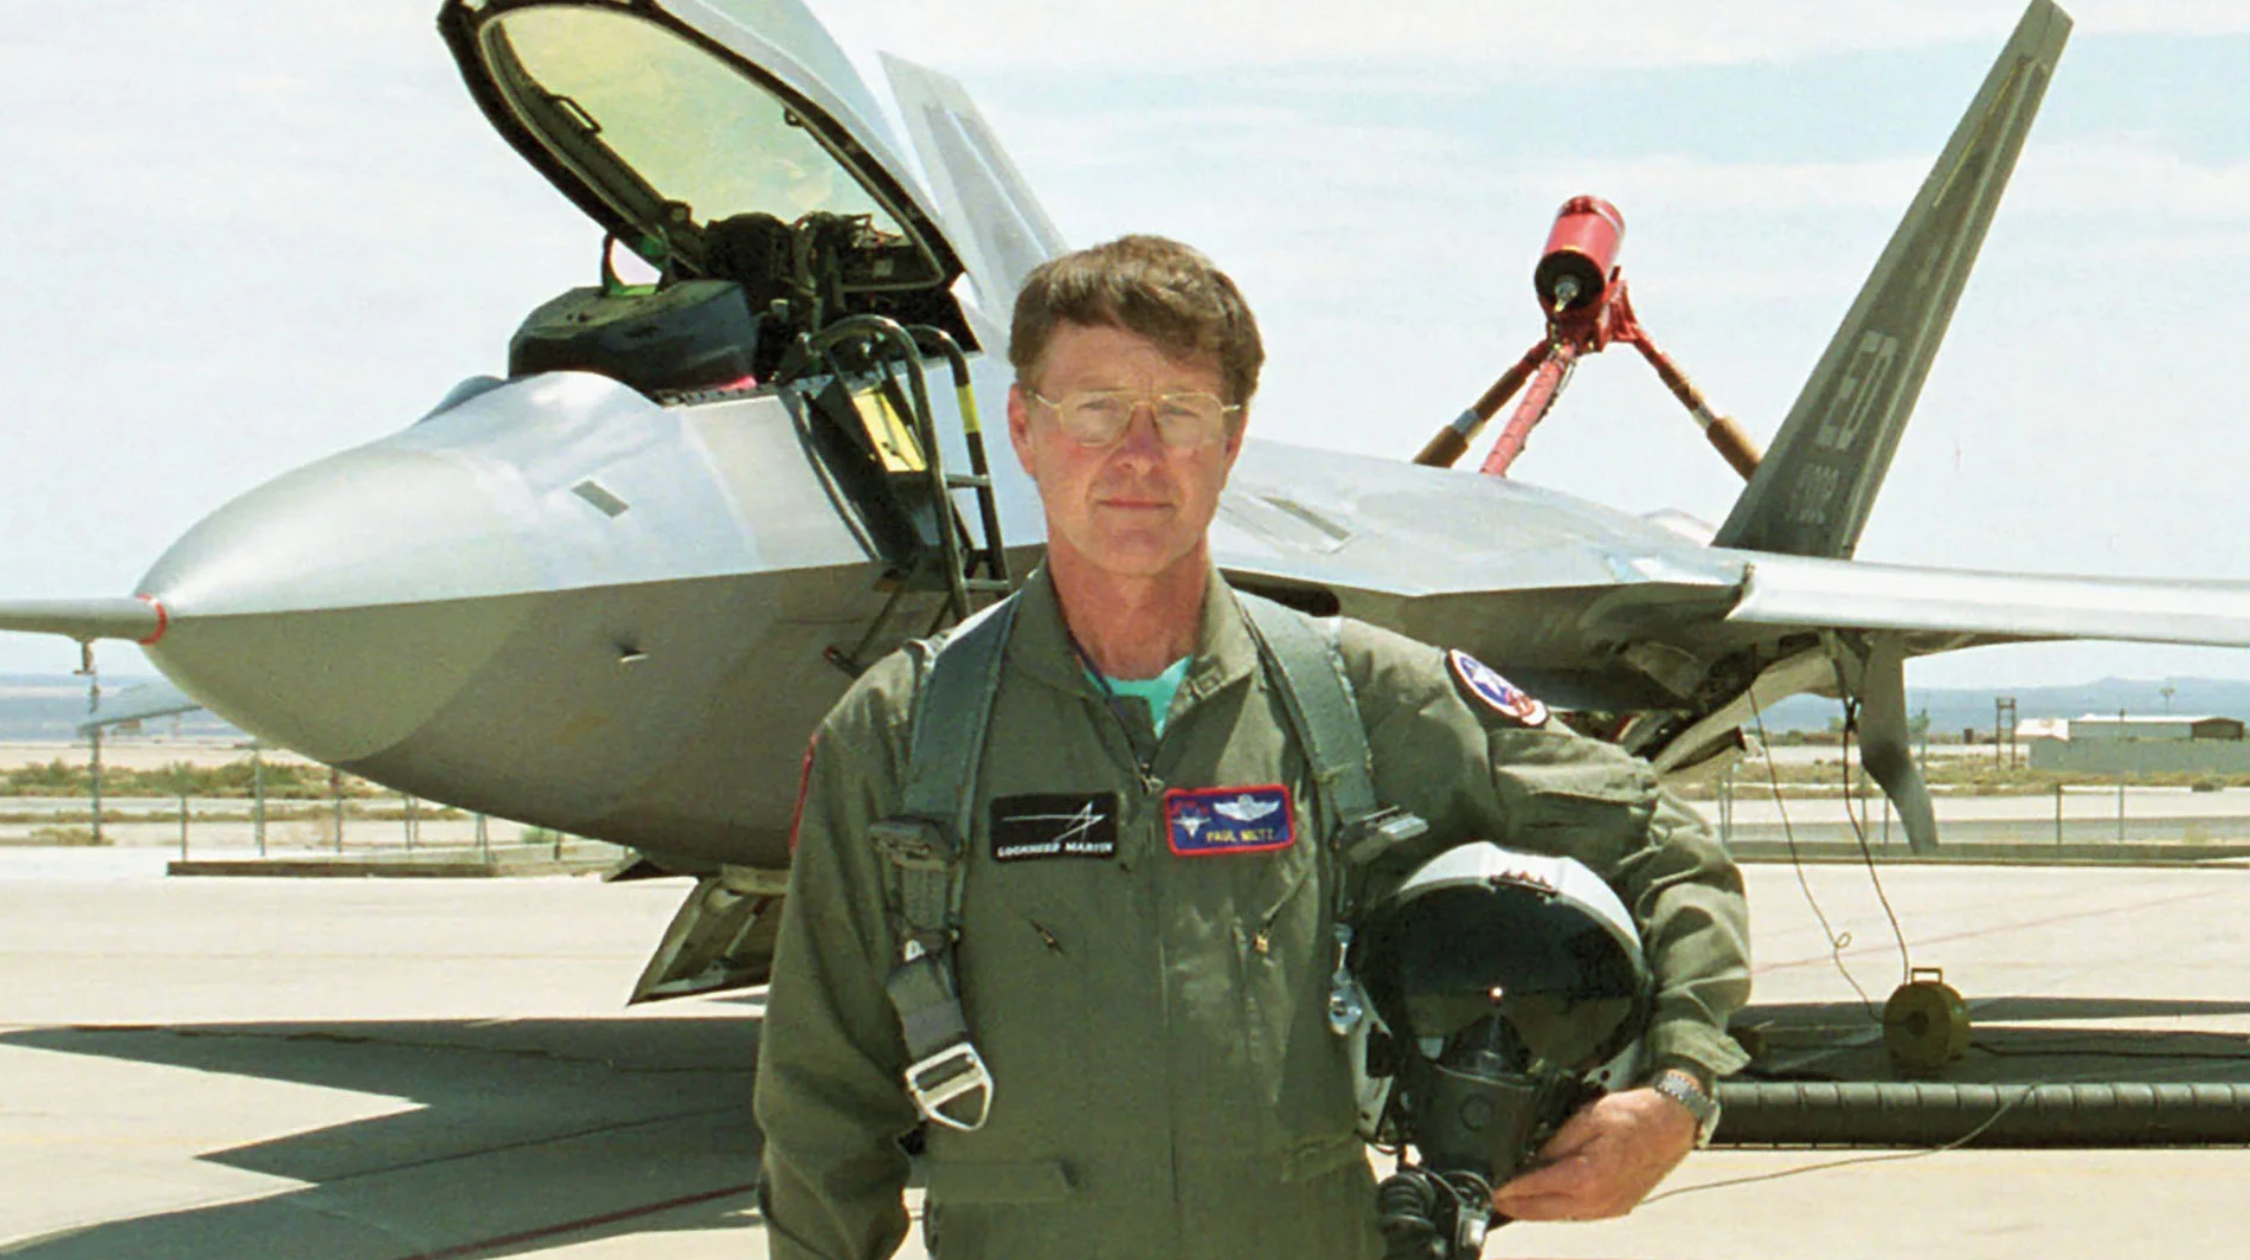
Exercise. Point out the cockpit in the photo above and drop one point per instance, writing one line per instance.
(739, 179)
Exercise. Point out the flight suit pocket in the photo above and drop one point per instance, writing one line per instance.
(1288, 950)
(999, 1208)
(1574, 797)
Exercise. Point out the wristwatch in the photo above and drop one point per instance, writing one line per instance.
(1682, 1087)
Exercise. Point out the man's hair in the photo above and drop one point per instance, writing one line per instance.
(1147, 285)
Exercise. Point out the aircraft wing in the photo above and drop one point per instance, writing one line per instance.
(1794, 591)
(134, 704)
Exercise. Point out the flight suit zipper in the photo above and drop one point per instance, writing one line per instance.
(1120, 730)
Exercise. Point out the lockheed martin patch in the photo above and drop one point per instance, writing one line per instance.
(1200, 822)
(1054, 826)
(1485, 684)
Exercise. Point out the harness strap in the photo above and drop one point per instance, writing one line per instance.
(957, 679)
(952, 706)
(1316, 693)
(1316, 696)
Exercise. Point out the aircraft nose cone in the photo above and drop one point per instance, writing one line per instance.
(376, 525)
(335, 608)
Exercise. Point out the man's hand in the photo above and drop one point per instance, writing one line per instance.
(1603, 1160)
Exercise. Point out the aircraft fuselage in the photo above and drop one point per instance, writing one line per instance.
(561, 602)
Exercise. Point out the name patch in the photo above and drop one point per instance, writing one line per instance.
(1200, 822)
(1485, 685)
(1054, 826)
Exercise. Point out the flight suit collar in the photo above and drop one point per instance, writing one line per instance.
(1040, 645)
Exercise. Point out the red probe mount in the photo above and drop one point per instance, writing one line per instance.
(1582, 291)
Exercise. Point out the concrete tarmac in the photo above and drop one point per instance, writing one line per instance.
(373, 1070)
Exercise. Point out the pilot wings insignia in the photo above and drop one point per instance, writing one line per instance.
(1246, 808)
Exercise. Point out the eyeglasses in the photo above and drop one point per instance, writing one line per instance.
(1099, 417)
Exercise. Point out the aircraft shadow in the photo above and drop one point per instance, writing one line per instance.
(2015, 1039)
(521, 1134)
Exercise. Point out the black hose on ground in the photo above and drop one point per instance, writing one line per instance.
(1913, 1113)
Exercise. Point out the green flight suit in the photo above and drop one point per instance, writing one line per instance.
(1165, 1081)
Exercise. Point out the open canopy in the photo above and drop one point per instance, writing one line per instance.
(667, 120)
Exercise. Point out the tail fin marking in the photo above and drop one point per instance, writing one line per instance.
(1813, 492)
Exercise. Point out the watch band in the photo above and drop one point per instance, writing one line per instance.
(1682, 1087)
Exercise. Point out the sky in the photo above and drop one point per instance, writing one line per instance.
(240, 237)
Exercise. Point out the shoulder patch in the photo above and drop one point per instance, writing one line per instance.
(1489, 690)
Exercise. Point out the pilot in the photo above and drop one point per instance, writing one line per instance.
(1140, 944)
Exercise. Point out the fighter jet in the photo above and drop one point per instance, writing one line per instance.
(612, 592)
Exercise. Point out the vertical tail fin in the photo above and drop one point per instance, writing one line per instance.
(1812, 494)
(998, 226)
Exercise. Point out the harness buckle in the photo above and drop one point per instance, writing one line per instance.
(954, 1072)
(1376, 834)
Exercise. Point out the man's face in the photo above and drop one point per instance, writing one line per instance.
(1137, 507)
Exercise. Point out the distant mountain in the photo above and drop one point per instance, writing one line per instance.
(1955, 709)
(50, 707)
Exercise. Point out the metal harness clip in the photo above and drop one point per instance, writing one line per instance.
(1347, 1006)
(951, 1073)
(1376, 834)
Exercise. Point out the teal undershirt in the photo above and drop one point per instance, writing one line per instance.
(1155, 692)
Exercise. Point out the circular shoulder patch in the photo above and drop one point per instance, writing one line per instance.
(1485, 685)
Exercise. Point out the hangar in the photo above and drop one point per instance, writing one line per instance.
(2157, 744)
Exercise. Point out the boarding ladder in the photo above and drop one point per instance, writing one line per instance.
(936, 551)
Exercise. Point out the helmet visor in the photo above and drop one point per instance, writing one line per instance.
(1559, 976)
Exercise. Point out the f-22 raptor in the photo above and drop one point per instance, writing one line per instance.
(612, 592)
